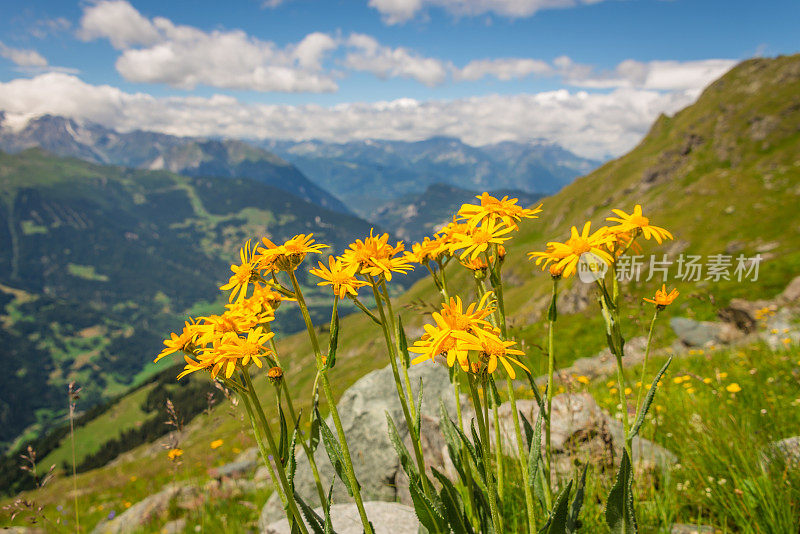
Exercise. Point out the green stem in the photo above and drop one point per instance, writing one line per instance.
(366, 311)
(498, 450)
(400, 393)
(274, 450)
(644, 363)
(74, 464)
(326, 388)
(551, 365)
(396, 334)
(523, 459)
(264, 452)
(482, 415)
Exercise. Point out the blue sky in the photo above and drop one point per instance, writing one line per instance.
(589, 74)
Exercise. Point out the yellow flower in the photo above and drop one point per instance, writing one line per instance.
(216, 444)
(243, 274)
(493, 209)
(492, 349)
(173, 454)
(583, 379)
(478, 238)
(663, 299)
(637, 221)
(566, 255)
(241, 350)
(478, 264)
(426, 251)
(183, 342)
(733, 387)
(707, 381)
(628, 391)
(341, 277)
(288, 256)
(275, 374)
(452, 322)
(374, 256)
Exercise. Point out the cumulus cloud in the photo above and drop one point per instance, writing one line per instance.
(22, 58)
(591, 124)
(159, 51)
(119, 22)
(399, 11)
(368, 55)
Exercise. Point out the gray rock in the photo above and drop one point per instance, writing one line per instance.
(386, 517)
(174, 527)
(786, 450)
(141, 513)
(362, 409)
(696, 333)
(580, 433)
(680, 528)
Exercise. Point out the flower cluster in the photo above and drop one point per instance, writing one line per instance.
(466, 337)
(607, 242)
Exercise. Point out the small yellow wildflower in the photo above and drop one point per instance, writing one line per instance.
(663, 299)
(613, 391)
(490, 209)
(583, 379)
(243, 274)
(733, 388)
(707, 381)
(567, 255)
(637, 221)
(628, 391)
(174, 454)
(216, 444)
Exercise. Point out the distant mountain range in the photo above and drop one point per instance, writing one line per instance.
(416, 215)
(97, 263)
(367, 174)
(155, 151)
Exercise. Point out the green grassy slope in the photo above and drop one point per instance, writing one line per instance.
(722, 175)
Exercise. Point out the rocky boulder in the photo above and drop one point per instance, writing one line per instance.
(363, 409)
(386, 517)
(702, 333)
(143, 512)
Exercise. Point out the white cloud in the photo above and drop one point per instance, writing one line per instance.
(119, 22)
(368, 55)
(159, 51)
(22, 58)
(593, 125)
(503, 69)
(657, 75)
(399, 11)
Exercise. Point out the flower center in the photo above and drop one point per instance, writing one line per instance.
(579, 245)
(640, 221)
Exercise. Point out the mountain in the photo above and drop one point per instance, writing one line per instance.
(155, 151)
(416, 215)
(97, 263)
(367, 174)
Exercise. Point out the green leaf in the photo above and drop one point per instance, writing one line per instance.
(577, 503)
(313, 437)
(535, 389)
(494, 395)
(552, 313)
(557, 522)
(526, 425)
(648, 400)
(327, 510)
(283, 443)
(418, 422)
(454, 507)
(535, 450)
(620, 515)
(314, 521)
(292, 468)
(401, 339)
(429, 514)
(402, 452)
(333, 342)
(335, 454)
